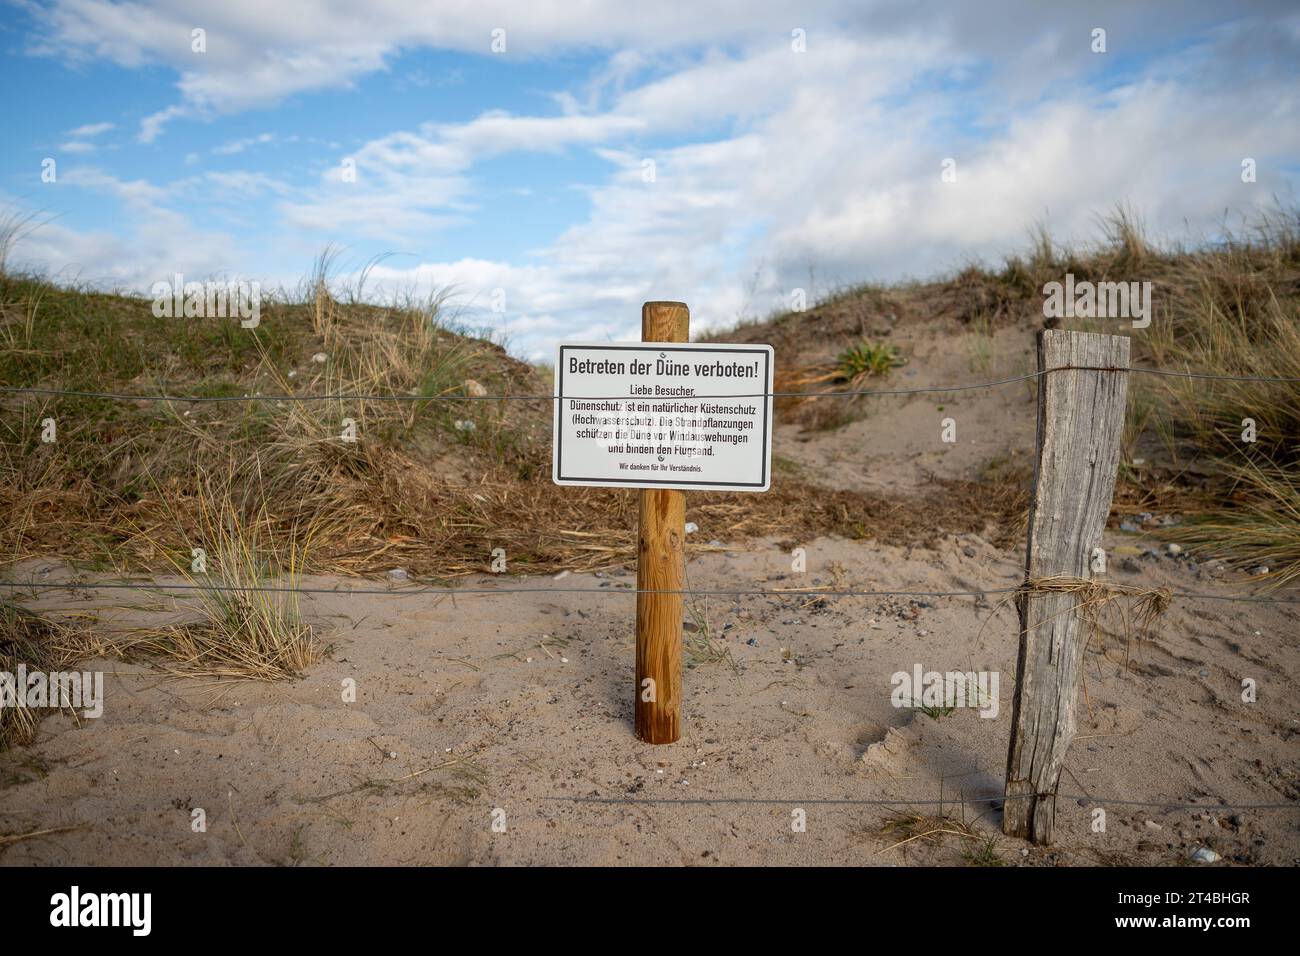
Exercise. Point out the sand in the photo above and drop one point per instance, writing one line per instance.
(523, 703)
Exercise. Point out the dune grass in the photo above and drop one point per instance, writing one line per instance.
(40, 644)
(1260, 532)
(116, 464)
(1227, 305)
(241, 619)
(433, 485)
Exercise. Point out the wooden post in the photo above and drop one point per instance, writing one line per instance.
(661, 565)
(1080, 422)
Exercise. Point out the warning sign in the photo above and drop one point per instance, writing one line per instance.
(663, 416)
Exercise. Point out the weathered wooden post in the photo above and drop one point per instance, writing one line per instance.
(1080, 422)
(661, 565)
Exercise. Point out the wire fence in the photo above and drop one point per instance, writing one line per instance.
(1082, 798)
(619, 588)
(613, 588)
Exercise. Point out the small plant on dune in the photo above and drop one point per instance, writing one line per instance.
(699, 643)
(983, 853)
(867, 359)
(39, 644)
(853, 365)
(934, 711)
(243, 622)
(316, 295)
(903, 829)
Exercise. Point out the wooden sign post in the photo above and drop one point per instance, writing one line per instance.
(662, 416)
(660, 565)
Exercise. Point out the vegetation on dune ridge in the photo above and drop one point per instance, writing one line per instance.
(122, 474)
(1229, 307)
(433, 485)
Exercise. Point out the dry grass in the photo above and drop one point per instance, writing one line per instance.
(9, 839)
(443, 529)
(1260, 534)
(1139, 610)
(40, 644)
(235, 627)
(906, 829)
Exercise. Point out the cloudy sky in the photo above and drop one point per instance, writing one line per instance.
(566, 161)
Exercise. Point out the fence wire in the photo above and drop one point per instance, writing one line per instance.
(612, 589)
(941, 801)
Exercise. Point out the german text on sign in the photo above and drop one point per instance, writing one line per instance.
(663, 416)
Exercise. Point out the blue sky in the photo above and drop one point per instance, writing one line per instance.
(522, 172)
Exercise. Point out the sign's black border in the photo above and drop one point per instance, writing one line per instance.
(557, 432)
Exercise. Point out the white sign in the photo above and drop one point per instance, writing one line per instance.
(661, 415)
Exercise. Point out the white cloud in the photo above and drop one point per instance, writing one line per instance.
(90, 130)
(78, 144)
(157, 241)
(236, 183)
(143, 195)
(258, 53)
(769, 163)
(409, 184)
(236, 146)
(151, 126)
(840, 175)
